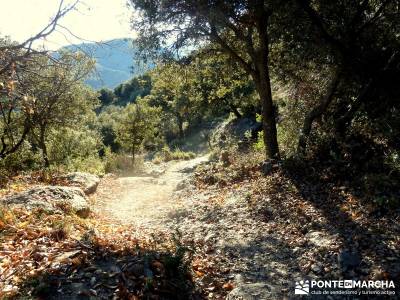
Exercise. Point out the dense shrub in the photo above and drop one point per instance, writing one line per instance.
(166, 154)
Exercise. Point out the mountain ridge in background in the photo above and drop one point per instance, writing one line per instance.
(116, 62)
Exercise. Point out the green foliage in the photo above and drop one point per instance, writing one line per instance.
(76, 150)
(106, 124)
(292, 115)
(106, 97)
(334, 71)
(138, 126)
(259, 143)
(129, 91)
(222, 86)
(166, 155)
(173, 94)
(24, 159)
(52, 118)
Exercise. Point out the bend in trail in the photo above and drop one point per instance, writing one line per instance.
(146, 202)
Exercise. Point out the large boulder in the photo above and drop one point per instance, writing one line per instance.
(53, 199)
(86, 181)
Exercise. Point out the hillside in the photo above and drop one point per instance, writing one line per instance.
(116, 62)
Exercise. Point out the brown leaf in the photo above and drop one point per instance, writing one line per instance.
(228, 286)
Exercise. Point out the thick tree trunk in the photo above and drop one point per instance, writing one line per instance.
(268, 118)
(262, 79)
(263, 85)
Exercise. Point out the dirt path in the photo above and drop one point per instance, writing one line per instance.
(146, 202)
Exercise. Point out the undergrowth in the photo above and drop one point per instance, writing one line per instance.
(166, 155)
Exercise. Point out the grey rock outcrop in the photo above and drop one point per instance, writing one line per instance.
(53, 199)
(88, 182)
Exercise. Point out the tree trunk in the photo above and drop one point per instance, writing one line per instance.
(318, 111)
(43, 146)
(268, 118)
(263, 85)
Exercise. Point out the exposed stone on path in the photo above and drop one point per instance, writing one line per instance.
(320, 239)
(253, 291)
(88, 182)
(52, 199)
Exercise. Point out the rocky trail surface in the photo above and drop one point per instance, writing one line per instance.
(147, 202)
(234, 255)
(252, 236)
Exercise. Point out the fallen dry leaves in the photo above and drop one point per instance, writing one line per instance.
(42, 253)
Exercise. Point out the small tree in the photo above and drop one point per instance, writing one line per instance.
(17, 61)
(60, 97)
(138, 125)
(173, 91)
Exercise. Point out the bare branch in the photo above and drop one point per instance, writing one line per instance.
(319, 23)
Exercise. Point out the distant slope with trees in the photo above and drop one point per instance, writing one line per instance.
(116, 62)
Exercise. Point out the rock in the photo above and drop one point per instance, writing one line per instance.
(317, 269)
(211, 178)
(348, 260)
(53, 199)
(93, 281)
(320, 239)
(88, 182)
(243, 146)
(156, 173)
(182, 185)
(209, 237)
(234, 129)
(78, 290)
(253, 291)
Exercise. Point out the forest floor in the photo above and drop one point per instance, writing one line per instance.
(201, 229)
(121, 251)
(251, 235)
